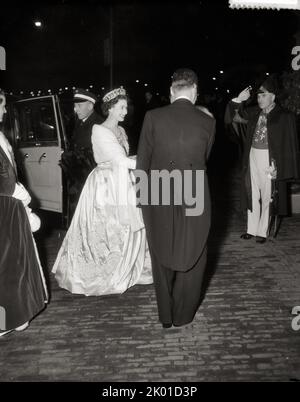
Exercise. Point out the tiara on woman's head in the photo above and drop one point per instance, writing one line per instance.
(113, 94)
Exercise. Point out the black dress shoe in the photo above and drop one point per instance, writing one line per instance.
(246, 236)
(183, 323)
(166, 325)
(260, 239)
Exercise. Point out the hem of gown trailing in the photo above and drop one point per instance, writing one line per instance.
(81, 291)
(103, 252)
(23, 291)
(41, 271)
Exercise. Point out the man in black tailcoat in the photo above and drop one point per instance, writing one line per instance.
(177, 139)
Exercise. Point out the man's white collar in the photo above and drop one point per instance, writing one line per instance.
(182, 97)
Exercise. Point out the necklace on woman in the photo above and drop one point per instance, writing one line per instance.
(115, 129)
(117, 132)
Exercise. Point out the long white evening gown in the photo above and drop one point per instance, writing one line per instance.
(105, 249)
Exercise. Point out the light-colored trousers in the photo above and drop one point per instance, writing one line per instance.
(258, 219)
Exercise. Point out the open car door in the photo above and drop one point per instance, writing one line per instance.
(40, 141)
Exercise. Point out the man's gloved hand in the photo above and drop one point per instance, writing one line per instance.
(244, 95)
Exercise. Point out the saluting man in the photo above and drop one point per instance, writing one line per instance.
(270, 157)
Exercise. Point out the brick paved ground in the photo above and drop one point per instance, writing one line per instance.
(242, 331)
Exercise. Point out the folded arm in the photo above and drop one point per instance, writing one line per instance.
(107, 144)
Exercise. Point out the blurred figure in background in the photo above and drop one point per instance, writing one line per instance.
(150, 101)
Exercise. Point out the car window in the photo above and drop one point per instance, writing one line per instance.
(68, 116)
(36, 123)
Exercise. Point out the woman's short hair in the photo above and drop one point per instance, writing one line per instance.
(112, 98)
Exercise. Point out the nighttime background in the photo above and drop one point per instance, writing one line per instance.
(243, 331)
(150, 40)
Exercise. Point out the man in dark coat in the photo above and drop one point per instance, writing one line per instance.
(271, 157)
(79, 161)
(84, 102)
(177, 139)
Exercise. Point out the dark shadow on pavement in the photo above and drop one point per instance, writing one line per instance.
(223, 171)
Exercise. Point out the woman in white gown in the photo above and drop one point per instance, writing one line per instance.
(105, 249)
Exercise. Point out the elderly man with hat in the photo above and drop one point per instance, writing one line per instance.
(271, 157)
(79, 162)
(84, 102)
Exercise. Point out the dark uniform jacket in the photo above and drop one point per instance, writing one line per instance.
(176, 137)
(83, 131)
(79, 162)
